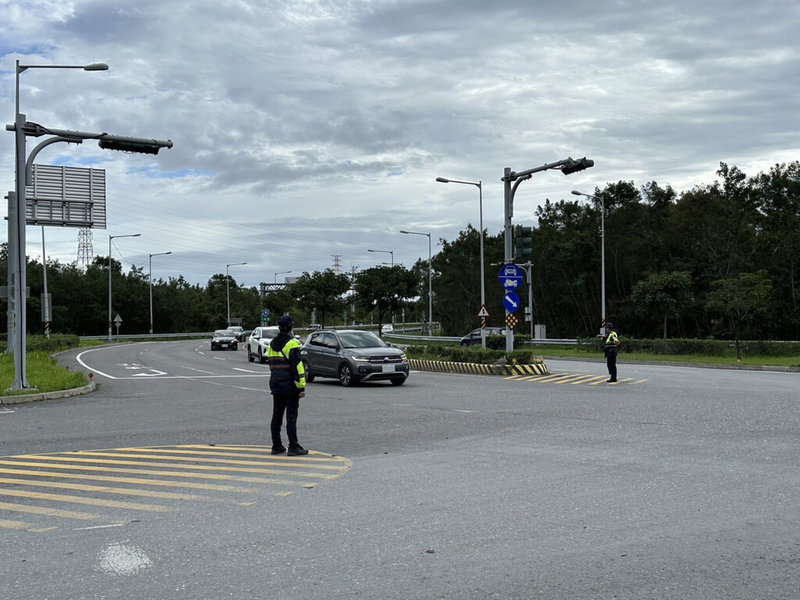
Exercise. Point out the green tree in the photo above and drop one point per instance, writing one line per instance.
(664, 294)
(323, 291)
(739, 299)
(385, 289)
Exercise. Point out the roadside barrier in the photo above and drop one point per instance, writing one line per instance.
(444, 366)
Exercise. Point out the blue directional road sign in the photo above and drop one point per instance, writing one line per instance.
(510, 277)
(511, 301)
(265, 313)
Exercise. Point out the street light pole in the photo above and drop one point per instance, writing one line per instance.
(385, 251)
(17, 267)
(602, 253)
(430, 279)
(483, 275)
(275, 280)
(150, 279)
(228, 287)
(111, 237)
(567, 166)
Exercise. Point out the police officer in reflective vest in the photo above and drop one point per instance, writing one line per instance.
(287, 382)
(611, 347)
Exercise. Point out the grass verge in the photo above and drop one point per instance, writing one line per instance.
(43, 374)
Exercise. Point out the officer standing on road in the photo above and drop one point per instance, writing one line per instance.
(287, 382)
(611, 347)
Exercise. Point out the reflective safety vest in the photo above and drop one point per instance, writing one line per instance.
(612, 340)
(287, 372)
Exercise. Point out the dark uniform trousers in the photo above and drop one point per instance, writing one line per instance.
(289, 404)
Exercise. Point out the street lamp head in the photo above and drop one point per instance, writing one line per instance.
(96, 67)
(442, 180)
(577, 193)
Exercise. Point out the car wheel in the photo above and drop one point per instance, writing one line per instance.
(261, 358)
(236, 346)
(250, 357)
(398, 381)
(309, 377)
(345, 375)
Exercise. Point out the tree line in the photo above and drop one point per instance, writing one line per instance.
(720, 260)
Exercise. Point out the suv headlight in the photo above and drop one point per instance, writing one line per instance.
(361, 358)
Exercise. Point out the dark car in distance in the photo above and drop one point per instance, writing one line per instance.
(223, 339)
(352, 356)
(474, 336)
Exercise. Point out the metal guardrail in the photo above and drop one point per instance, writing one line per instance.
(444, 338)
(148, 336)
(401, 337)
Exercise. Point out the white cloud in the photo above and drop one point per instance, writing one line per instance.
(305, 130)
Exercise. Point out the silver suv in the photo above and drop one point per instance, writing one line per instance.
(352, 355)
(258, 341)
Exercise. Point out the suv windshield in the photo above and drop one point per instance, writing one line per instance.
(360, 339)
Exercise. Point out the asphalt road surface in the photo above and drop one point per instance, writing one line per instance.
(675, 483)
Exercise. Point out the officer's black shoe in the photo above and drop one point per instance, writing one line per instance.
(296, 451)
(278, 450)
(611, 381)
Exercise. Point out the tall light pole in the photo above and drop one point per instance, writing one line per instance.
(111, 237)
(430, 278)
(567, 166)
(386, 252)
(150, 279)
(17, 322)
(279, 273)
(480, 208)
(228, 287)
(602, 252)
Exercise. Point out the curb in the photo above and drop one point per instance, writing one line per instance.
(19, 399)
(476, 368)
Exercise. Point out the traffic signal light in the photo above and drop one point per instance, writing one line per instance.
(573, 166)
(523, 242)
(132, 145)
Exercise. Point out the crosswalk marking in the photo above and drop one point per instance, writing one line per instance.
(154, 480)
(574, 379)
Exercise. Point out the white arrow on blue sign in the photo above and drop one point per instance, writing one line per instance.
(511, 301)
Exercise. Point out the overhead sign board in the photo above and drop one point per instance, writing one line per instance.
(510, 277)
(66, 196)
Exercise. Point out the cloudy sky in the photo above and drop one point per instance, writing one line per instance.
(308, 132)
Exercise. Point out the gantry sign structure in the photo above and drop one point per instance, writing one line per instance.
(17, 217)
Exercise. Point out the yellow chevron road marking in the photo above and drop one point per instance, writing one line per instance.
(50, 512)
(82, 500)
(107, 490)
(6, 524)
(74, 458)
(172, 474)
(129, 480)
(588, 379)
